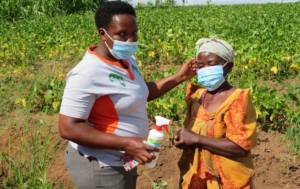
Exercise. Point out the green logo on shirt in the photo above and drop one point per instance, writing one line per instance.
(116, 77)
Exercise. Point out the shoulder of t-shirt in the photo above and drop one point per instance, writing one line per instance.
(89, 66)
(132, 60)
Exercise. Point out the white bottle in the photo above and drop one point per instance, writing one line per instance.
(156, 137)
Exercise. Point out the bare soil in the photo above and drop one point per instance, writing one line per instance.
(276, 167)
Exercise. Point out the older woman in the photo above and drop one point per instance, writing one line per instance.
(103, 111)
(220, 125)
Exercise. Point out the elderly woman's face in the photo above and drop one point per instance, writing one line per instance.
(208, 59)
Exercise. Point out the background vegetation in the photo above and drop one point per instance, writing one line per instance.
(41, 40)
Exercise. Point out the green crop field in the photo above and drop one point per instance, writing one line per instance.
(36, 52)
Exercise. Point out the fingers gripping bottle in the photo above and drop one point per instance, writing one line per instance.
(155, 139)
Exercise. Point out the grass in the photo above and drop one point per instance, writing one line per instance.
(159, 184)
(13, 10)
(28, 154)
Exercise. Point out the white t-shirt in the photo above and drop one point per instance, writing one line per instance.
(112, 98)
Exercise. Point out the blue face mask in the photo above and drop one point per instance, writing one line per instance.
(211, 77)
(122, 50)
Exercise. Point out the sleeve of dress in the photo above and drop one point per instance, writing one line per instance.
(241, 121)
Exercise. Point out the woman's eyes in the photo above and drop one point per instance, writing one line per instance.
(212, 63)
(201, 65)
(124, 34)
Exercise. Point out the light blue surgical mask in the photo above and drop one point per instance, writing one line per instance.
(211, 77)
(122, 50)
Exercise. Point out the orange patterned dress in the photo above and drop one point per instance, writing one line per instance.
(235, 120)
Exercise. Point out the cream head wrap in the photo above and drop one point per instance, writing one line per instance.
(216, 46)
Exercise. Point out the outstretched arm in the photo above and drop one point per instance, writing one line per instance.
(160, 87)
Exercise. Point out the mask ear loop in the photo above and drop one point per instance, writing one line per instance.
(109, 38)
(224, 65)
(107, 34)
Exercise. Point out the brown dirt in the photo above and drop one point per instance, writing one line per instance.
(57, 171)
(275, 166)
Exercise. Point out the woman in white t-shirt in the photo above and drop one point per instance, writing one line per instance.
(103, 111)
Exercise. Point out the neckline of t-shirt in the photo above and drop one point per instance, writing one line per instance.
(114, 63)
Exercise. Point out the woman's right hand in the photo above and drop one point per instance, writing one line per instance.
(139, 150)
(187, 70)
(185, 138)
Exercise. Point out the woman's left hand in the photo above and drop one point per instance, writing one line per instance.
(185, 138)
(187, 70)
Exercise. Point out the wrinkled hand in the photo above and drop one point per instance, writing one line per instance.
(187, 70)
(139, 150)
(184, 138)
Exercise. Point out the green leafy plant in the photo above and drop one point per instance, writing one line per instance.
(267, 60)
(19, 9)
(172, 104)
(161, 184)
(45, 95)
(270, 108)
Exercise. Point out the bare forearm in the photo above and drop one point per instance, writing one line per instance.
(84, 134)
(160, 87)
(223, 147)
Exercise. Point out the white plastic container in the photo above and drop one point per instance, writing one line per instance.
(156, 137)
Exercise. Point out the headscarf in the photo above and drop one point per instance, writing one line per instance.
(216, 46)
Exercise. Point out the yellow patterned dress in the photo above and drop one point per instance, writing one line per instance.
(235, 120)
